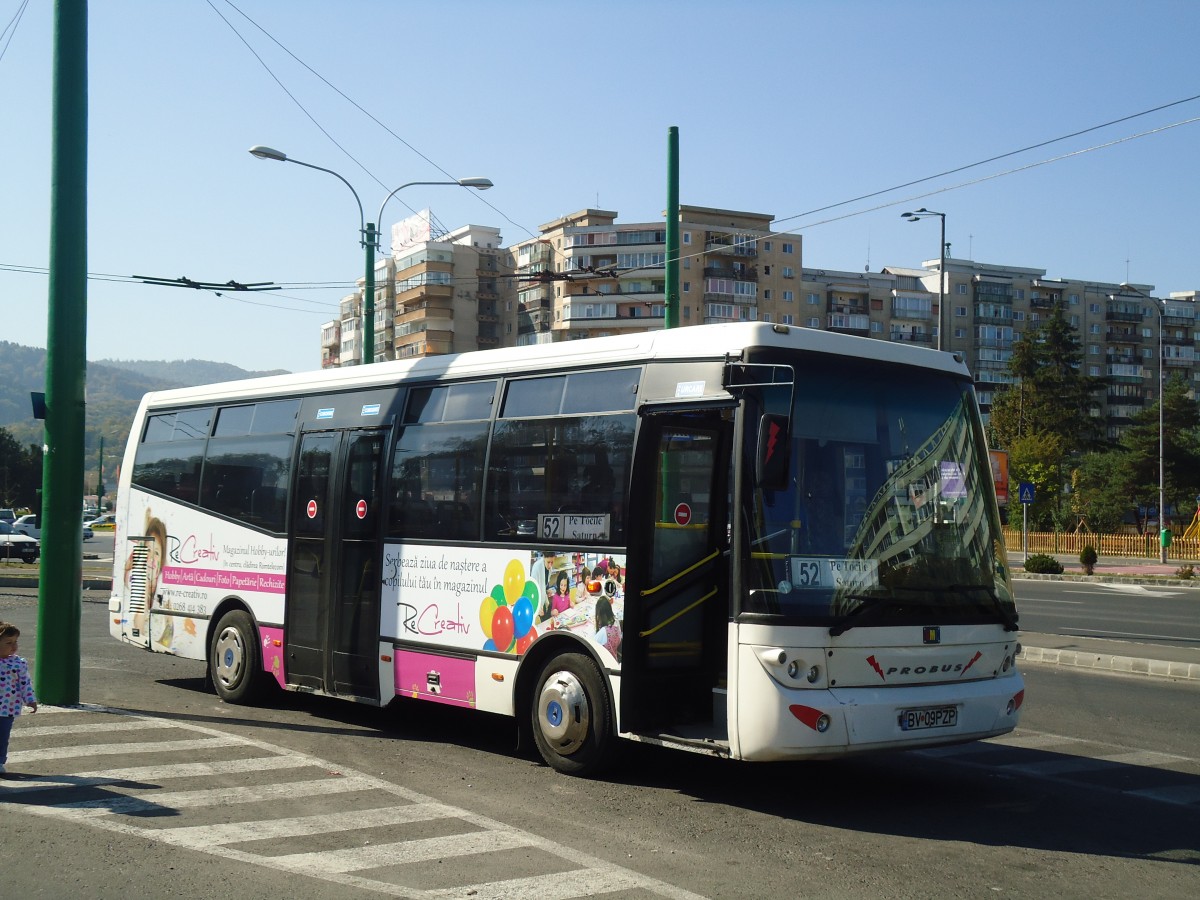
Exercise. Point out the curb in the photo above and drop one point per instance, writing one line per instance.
(1164, 581)
(1126, 665)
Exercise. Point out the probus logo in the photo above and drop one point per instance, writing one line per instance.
(930, 670)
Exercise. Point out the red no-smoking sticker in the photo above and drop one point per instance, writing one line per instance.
(683, 514)
(312, 509)
(360, 509)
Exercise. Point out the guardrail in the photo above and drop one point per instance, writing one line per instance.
(1131, 545)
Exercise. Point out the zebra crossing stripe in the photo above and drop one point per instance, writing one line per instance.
(592, 875)
(47, 753)
(93, 728)
(210, 797)
(197, 836)
(419, 850)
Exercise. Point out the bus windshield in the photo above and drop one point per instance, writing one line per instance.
(887, 514)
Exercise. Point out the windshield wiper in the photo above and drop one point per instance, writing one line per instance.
(868, 603)
(1008, 619)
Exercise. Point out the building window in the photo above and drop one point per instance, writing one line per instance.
(1094, 371)
(1018, 315)
(814, 323)
(766, 246)
(960, 289)
(687, 286)
(789, 272)
(787, 320)
(813, 299)
(958, 332)
(960, 312)
(766, 270)
(1093, 307)
(787, 248)
(877, 327)
(788, 296)
(766, 317)
(1073, 299)
(766, 293)
(1093, 349)
(1019, 293)
(687, 237)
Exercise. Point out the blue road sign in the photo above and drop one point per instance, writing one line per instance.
(1025, 492)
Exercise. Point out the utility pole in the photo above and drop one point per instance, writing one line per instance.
(60, 602)
(671, 310)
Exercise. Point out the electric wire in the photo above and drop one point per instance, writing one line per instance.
(10, 29)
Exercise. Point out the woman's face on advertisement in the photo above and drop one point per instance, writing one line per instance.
(154, 562)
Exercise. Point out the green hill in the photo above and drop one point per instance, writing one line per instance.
(114, 389)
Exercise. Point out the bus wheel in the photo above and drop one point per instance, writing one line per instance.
(233, 659)
(572, 718)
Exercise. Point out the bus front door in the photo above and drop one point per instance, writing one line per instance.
(677, 608)
(331, 622)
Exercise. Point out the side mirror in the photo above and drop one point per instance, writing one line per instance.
(774, 449)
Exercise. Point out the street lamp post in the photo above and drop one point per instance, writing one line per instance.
(1162, 402)
(917, 216)
(370, 235)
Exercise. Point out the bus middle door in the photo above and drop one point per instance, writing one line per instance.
(677, 618)
(331, 623)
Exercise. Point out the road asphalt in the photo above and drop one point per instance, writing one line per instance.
(1126, 657)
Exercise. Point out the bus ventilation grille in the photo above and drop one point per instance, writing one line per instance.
(137, 577)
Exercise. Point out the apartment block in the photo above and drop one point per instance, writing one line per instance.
(587, 274)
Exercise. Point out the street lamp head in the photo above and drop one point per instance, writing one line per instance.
(262, 152)
(480, 184)
(906, 215)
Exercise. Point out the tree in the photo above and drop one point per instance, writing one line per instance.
(1035, 457)
(1101, 492)
(1050, 397)
(20, 473)
(1180, 450)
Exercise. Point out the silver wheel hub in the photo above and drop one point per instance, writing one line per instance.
(563, 713)
(229, 657)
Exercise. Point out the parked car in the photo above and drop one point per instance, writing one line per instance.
(14, 545)
(30, 526)
(8, 515)
(108, 520)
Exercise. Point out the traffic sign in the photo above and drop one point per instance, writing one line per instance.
(1025, 492)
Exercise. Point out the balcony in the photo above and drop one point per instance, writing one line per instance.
(912, 337)
(735, 299)
(1044, 302)
(1123, 400)
(1123, 337)
(1179, 362)
(1123, 315)
(738, 273)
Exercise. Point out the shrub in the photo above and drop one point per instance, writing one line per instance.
(1087, 558)
(1042, 564)
(1185, 572)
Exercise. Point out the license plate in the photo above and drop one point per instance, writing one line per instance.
(930, 717)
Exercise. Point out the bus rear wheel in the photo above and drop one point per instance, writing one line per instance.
(572, 716)
(234, 661)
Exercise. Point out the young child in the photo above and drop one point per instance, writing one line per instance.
(16, 690)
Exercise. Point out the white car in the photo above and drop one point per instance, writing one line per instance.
(29, 525)
(14, 545)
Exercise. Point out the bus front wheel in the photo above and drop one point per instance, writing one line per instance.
(233, 659)
(572, 715)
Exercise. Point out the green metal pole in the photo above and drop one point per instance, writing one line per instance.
(60, 583)
(671, 312)
(368, 353)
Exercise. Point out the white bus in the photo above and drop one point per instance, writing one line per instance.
(752, 541)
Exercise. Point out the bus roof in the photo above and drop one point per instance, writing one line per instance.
(695, 342)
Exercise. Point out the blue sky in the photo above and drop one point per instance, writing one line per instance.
(783, 106)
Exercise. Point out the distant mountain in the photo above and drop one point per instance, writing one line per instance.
(114, 389)
(185, 372)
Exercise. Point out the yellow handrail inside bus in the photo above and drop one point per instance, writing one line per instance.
(678, 575)
(671, 619)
